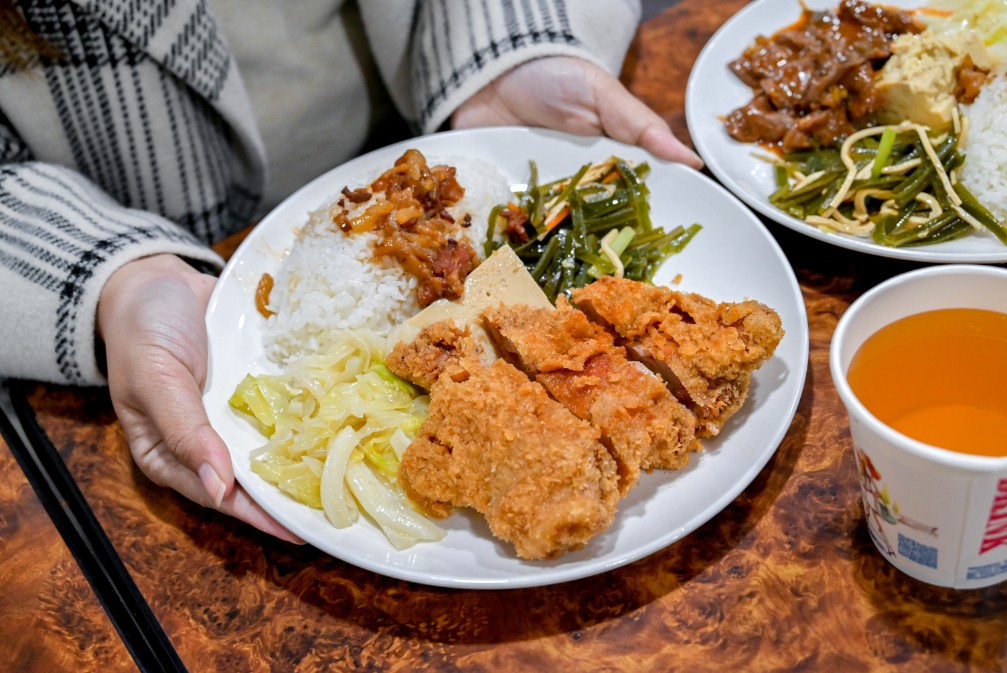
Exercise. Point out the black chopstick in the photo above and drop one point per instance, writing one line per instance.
(55, 488)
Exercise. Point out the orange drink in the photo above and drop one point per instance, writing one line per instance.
(939, 377)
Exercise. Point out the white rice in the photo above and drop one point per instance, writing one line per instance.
(985, 169)
(331, 282)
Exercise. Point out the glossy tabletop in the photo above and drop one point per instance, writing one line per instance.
(784, 579)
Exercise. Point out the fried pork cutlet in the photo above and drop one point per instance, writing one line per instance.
(577, 362)
(705, 350)
(439, 348)
(498, 443)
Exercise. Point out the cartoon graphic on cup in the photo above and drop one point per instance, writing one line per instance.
(881, 510)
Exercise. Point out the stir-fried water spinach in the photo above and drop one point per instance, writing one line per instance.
(894, 183)
(571, 231)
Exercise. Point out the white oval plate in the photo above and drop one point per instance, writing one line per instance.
(713, 92)
(732, 258)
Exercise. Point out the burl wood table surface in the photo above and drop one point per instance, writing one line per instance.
(785, 578)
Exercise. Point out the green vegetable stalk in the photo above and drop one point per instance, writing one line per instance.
(596, 222)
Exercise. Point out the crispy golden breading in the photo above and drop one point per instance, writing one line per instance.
(439, 348)
(498, 443)
(705, 350)
(577, 361)
(548, 338)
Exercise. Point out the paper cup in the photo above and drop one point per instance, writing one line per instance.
(937, 515)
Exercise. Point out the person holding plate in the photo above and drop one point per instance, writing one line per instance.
(133, 136)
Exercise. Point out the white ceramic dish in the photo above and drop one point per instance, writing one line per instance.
(713, 91)
(732, 258)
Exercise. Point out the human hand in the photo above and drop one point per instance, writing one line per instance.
(150, 316)
(574, 95)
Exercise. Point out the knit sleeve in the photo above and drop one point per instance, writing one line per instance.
(137, 140)
(434, 54)
(60, 239)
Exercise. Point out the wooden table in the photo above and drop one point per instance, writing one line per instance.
(785, 578)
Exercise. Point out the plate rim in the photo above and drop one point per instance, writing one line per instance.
(556, 574)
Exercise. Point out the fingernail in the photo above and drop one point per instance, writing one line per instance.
(697, 161)
(214, 485)
(290, 537)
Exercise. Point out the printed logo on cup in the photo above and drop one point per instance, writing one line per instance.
(994, 535)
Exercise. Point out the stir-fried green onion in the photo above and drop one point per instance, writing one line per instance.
(569, 232)
(900, 188)
(884, 150)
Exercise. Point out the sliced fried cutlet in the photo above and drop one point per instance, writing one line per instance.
(496, 442)
(439, 348)
(577, 362)
(705, 350)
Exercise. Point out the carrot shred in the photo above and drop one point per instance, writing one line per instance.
(560, 215)
(564, 212)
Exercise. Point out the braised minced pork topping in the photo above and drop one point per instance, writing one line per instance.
(408, 207)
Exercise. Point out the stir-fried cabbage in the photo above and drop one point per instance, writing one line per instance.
(337, 425)
(988, 18)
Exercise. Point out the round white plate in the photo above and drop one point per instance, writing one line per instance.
(714, 91)
(731, 259)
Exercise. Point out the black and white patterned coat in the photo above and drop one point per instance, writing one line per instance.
(141, 138)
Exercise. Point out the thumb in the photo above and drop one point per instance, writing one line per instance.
(208, 477)
(214, 470)
(189, 437)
